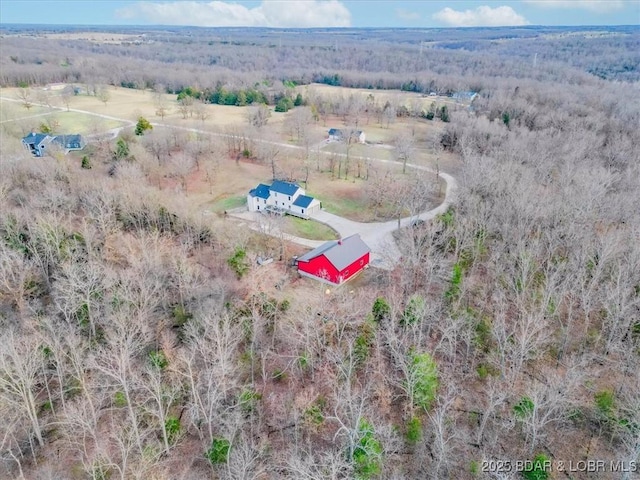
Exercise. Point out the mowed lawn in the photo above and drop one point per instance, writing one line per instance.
(227, 203)
(130, 104)
(74, 122)
(309, 229)
(12, 111)
(342, 197)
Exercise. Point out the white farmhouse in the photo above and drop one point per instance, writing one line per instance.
(282, 196)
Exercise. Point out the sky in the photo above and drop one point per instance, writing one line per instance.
(322, 13)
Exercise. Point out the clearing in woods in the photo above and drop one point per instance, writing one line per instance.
(225, 186)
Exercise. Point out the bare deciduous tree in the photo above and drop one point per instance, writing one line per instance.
(21, 379)
(103, 94)
(404, 145)
(25, 96)
(258, 116)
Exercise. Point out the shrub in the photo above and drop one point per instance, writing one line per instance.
(172, 427)
(86, 163)
(367, 455)
(303, 361)
(314, 414)
(444, 114)
(482, 337)
(538, 469)
(158, 359)
(249, 400)
(381, 310)
(142, 126)
(284, 104)
(363, 343)
(453, 292)
(181, 315)
(424, 372)
(414, 430)
(523, 408)
(122, 150)
(414, 310)
(119, 399)
(605, 402)
(447, 218)
(483, 371)
(238, 262)
(219, 451)
(279, 375)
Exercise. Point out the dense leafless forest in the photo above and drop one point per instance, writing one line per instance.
(137, 342)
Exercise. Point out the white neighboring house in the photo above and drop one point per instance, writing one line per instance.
(285, 196)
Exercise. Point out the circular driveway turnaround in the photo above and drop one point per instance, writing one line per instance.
(377, 235)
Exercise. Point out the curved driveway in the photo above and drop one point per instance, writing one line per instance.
(378, 235)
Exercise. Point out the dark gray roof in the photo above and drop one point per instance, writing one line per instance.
(341, 253)
(34, 138)
(68, 141)
(285, 188)
(303, 201)
(336, 132)
(261, 191)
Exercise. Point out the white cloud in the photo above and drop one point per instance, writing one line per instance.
(406, 15)
(599, 6)
(482, 16)
(282, 13)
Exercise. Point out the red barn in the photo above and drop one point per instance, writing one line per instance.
(336, 261)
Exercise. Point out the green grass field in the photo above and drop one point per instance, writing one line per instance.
(308, 229)
(11, 111)
(228, 203)
(73, 122)
(352, 208)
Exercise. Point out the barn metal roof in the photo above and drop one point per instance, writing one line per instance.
(341, 253)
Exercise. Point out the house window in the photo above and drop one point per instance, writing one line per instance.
(265, 201)
(289, 197)
(302, 210)
(361, 261)
(258, 207)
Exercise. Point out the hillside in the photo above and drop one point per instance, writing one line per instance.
(141, 339)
